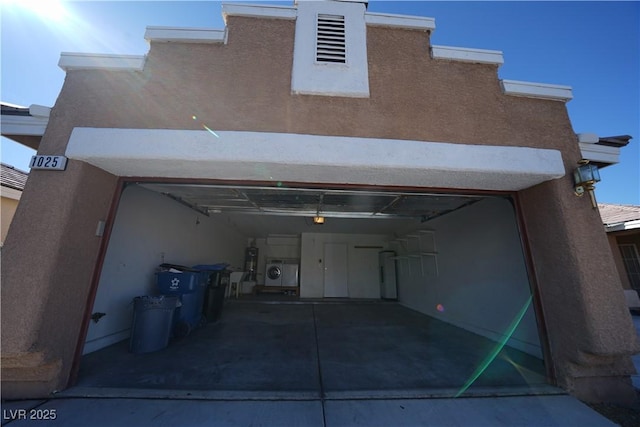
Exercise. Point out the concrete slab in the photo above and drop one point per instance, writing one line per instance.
(535, 411)
(502, 411)
(389, 347)
(281, 350)
(167, 413)
(253, 348)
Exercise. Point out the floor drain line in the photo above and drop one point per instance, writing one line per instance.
(322, 396)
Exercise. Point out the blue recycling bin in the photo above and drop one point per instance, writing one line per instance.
(189, 285)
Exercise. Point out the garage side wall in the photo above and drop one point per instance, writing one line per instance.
(481, 283)
(48, 262)
(149, 230)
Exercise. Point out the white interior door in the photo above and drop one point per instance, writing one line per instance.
(335, 270)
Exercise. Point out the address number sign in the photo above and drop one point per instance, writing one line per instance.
(56, 163)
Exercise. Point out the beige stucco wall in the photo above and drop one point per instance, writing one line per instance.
(589, 326)
(245, 85)
(48, 261)
(8, 208)
(619, 238)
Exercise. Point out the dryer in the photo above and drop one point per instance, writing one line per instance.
(273, 273)
(290, 271)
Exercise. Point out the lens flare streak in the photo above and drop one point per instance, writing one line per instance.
(494, 353)
(211, 131)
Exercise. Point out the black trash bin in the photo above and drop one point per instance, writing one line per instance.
(218, 281)
(152, 323)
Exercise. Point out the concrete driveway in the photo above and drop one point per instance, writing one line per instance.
(342, 402)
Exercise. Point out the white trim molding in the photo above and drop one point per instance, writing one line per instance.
(184, 35)
(39, 110)
(258, 11)
(588, 138)
(478, 56)
(265, 156)
(407, 22)
(96, 61)
(537, 90)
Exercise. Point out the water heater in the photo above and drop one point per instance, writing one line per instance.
(251, 263)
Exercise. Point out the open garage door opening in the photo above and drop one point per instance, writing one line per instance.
(397, 293)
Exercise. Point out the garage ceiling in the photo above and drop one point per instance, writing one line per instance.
(297, 206)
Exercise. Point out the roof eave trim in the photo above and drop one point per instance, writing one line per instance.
(599, 153)
(184, 35)
(463, 54)
(258, 11)
(23, 125)
(537, 90)
(629, 225)
(400, 21)
(95, 61)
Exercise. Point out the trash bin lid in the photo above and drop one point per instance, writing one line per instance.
(211, 267)
(167, 266)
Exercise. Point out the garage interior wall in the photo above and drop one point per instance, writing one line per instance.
(362, 263)
(150, 229)
(481, 281)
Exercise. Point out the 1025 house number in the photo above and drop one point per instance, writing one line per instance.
(56, 163)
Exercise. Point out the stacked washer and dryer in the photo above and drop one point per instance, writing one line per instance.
(282, 272)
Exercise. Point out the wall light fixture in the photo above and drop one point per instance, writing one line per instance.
(585, 175)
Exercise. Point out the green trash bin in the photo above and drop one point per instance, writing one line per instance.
(152, 323)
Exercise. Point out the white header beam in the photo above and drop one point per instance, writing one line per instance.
(231, 155)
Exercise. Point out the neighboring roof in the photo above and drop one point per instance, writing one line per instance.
(619, 217)
(25, 125)
(12, 177)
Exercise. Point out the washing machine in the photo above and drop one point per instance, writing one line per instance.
(273, 273)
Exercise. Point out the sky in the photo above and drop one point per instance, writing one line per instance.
(594, 47)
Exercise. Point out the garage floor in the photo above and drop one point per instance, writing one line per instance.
(306, 350)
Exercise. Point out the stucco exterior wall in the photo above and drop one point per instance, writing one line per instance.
(246, 85)
(589, 327)
(8, 209)
(617, 257)
(48, 261)
(51, 251)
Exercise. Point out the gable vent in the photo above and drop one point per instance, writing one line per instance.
(330, 39)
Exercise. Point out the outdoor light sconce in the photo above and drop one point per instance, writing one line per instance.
(585, 176)
(318, 220)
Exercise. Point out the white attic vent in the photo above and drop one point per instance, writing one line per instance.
(331, 39)
(330, 50)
